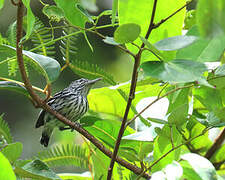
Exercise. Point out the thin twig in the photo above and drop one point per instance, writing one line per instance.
(47, 108)
(216, 145)
(157, 99)
(167, 18)
(131, 94)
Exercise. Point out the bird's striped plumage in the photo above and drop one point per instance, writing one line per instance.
(70, 102)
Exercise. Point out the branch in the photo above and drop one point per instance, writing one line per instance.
(164, 20)
(131, 95)
(216, 145)
(47, 108)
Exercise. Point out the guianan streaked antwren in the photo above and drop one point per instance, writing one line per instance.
(71, 102)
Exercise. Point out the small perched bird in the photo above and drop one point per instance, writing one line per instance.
(71, 102)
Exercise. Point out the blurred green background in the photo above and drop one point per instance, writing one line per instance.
(20, 113)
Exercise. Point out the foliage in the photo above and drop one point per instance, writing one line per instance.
(173, 67)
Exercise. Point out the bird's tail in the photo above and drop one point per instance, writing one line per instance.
(40, 121)
(46, 134)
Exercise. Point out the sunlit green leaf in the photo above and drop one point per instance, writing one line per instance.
(12, 151)
(72, 14)
(1, 4)
(201, 165)
(6, 169)
(210, 17)
(140, 13)
(127, 33)
(203, 50)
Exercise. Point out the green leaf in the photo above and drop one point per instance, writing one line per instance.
(74, 176)
(175, 43)
(53, 12)
(4, 130)
(203, 50)
(140, 13)
(114, 10)
(163, 144)
(12, 86)
(189, 172)
(84, 12)
(47, 66)
(209, 97)
(127, 33)
(12, 151)
(111, 97)
(175, 71)
(210, 17)
(30, 18)
(69, 155)
(152, 48)
(72, 13)
(179, 115)
(6, 169)
(1, 4)
(201, 165)
(36, 169)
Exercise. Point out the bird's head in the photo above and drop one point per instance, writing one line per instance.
(83, 86)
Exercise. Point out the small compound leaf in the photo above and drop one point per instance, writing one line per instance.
(175, 71)
(5, 131)
(127, 33)
(12, 86)
(6, 169)
(12, 151)
(175, 43)
(202, 166)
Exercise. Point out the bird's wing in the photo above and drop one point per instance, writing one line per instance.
(40, 122)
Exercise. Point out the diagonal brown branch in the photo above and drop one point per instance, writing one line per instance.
(216, 145)
(131, 95)
(42, 104)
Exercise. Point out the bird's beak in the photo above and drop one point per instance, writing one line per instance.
(94, 80)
